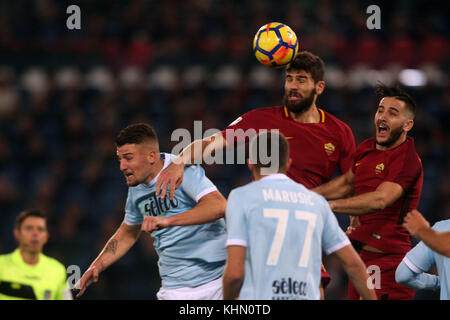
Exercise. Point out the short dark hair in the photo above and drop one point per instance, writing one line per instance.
(29, 213)
(310, 63)
(281, 148)
(382, 90)
(136, 133)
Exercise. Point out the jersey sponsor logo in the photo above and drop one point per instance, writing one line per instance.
(289, 138)
(151, 205)
(357, 164)
(285, 288)
(329, 148)
(379, 168)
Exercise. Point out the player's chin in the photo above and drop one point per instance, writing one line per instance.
(131, 182)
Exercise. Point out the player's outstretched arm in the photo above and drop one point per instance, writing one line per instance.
(419, 227)
(417, 281)
(193, 153)
(385, 195)
(115, 248)
(337, 188)
(233, 275)
(356, 271)
(210, 207)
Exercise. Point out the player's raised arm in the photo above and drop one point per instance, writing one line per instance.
(337, 188)
(115, 248)
(193, 153)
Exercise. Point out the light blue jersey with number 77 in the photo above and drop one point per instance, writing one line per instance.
(285, 227)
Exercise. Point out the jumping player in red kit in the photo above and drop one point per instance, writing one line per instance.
(319, 142)
(386, 178)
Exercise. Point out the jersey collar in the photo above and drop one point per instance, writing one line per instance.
(17, 258)
(322, 114)
(275, 176)
(167, 160)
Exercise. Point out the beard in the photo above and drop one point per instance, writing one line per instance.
(393, 137)
(301, 106)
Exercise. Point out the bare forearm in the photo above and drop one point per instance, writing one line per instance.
(197, 150)
(115, 248)
(358, 276)
(436, 241)
(337, 188)
(358, 205)
(205, 211)
(231, 287)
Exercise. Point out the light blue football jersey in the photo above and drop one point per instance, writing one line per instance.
(189, 256)
(421, 259)
(284, 227)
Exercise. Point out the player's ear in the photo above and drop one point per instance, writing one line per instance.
(47, 236)
(407, 126)
(320, 86)
(16, 234)
(288, 164)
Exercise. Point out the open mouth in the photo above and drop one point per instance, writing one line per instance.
(382, 129)
(294, 96)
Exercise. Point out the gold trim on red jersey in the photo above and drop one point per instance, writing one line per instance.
(322, 114)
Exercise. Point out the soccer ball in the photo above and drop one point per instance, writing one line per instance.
(275, 44)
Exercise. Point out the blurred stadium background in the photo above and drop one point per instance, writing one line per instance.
(64, 95)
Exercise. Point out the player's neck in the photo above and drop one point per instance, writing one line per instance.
(29, 257)
(392, 146)
(312, 115)
(157, 167)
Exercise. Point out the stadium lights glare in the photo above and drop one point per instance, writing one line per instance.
(412, 77)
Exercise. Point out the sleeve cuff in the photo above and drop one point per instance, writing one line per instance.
(338, 246)
(411, 265)
(204, 193)
(236, 242)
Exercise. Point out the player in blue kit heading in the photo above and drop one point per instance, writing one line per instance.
(277, 230)
(189, 231)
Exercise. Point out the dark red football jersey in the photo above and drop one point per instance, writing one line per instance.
(383, 229)
(316, 149)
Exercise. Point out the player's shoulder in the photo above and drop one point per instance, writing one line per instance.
(6, 257)
(264, 111)
(368, 144)
(443, 225)
(52, 263)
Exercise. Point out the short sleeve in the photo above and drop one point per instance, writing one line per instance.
(405, 168)
(333, 238)
(346, 161)
(132, 215)
(420, 258)
(195, 183)
(236, 221)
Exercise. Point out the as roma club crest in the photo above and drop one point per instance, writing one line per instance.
(329, 148)
(379, 168)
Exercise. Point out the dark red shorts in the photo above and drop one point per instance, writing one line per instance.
(325, 278)
(388, 288)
